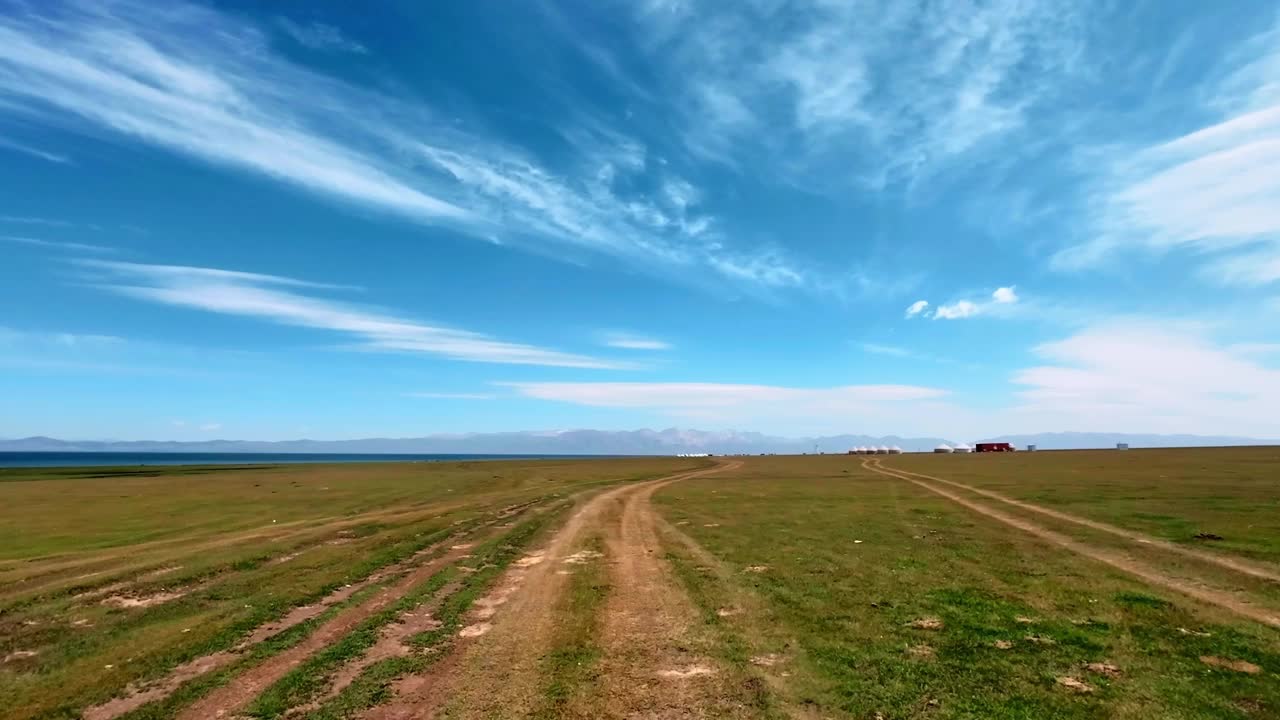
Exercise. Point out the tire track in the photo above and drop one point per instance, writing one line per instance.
(1124, 564)
(1239, 566)
(651, 668)
(495, 667)
(137, 695)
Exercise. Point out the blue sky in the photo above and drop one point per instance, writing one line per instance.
(952, 218)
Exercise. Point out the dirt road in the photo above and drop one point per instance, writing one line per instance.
(647, 618)
(1235, 564)
(1144, 572)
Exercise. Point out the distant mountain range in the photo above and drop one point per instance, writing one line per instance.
(598, 442)
(1080, 440)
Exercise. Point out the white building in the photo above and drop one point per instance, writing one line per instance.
(944, 448)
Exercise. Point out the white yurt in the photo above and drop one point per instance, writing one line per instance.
(962, 448)
(882, 450)
(943, 449)
(895, 450)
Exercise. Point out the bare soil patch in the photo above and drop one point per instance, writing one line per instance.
(475, 630)
(1075, 685)
(1102, 668)
(583, 557)
(391, 643)
(1241, 666)
(141, 601)
(686, 672)
(135, 696)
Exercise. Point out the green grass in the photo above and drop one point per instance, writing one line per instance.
(711, 591)
(854, 559)
(1171, 494)
(64, 532)
(570, 667)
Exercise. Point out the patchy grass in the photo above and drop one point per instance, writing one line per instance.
(892, 600)
(1173, 494)
(238, 547)
(373, 685)
(570, 668)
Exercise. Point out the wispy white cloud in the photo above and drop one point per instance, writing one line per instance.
(731, 403)
(1214, 191)
(846, 91)
(56, 244)
(917, 308)
(48, 222)
(11, 336)
(280, 300)
(1147, 377)
(207, 86)
(684, 394)
(211, 427)
(34, 151)
(631, 341)
(319, 36)
(451, 396)
(889, 350)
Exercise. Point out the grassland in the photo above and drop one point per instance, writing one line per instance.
(1172, 494)
(112, 577)
(1053, 585)
(838, 574)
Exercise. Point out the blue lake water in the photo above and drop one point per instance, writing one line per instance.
(116, 459)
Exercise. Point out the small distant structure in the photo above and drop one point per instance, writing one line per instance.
(694, 455)
(882, 450)
(895, 450)
(1031, 448)
(1122, 446)
(995, 447)
(962, 448)
(944, 448)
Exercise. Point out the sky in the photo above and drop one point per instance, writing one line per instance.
(952, 218)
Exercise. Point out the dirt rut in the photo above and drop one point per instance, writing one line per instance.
(135, 696)
(495, 668)
(1237, 565)
(226, 700)
(650, 668)
(1220, 599)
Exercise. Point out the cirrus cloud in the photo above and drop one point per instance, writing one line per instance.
(278, 299)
